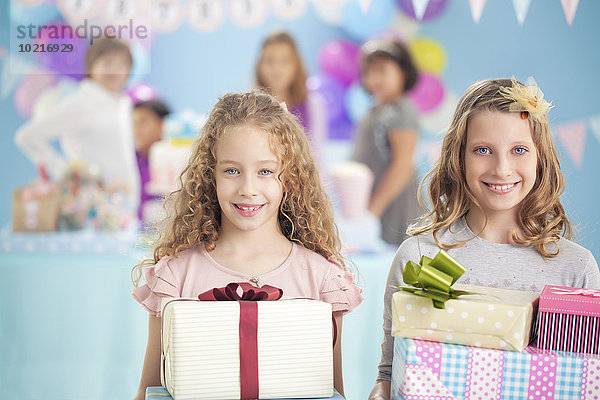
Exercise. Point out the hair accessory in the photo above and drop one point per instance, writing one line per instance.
(283, 105)
(528, 98)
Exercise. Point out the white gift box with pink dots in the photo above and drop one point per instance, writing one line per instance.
(438, 371)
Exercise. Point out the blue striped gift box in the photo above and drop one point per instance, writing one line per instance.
(160, 393)
(439, 371)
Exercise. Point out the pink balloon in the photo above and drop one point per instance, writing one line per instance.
(32, 85)
(142, 92)
(340, 59)
(428, 93)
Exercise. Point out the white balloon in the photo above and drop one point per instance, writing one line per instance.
(438, 121)
(330, 11)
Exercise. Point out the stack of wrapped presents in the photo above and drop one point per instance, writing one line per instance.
(494, 344)
(228, 345)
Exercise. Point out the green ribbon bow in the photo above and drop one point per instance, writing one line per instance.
(433, 278)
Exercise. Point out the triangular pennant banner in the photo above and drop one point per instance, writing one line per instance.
(364, 5)
(476, 9)
(572, 137)
(570, 8)
(420, 6)
(521, 8)
(595, 126)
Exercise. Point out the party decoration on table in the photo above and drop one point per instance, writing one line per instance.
(438, 371)
(570, 8)
(36, 207)
(353, 182)
(489, 317)
(569, 319)
(521, 8)
(476, 9)
(433, 278)
(422, 10)
(246, 348)
(572, 137)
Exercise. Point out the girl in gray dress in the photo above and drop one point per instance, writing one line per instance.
(386, 139)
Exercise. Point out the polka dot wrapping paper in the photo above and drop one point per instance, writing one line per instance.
(424, 370)
(495, 318)
(569, 319)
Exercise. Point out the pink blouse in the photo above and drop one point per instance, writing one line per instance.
(304, 273)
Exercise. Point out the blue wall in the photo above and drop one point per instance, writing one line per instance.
(191, 69)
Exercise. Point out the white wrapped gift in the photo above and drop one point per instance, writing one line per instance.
(201, 349)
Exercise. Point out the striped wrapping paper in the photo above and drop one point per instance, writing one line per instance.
(438, 371)
(569, 319)
(160, 393)
(200, 342)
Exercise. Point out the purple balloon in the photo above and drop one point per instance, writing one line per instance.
(341, 128)
(142, 92)
(332, 92)
(428, 93)
(433, 10)
(64, 51)
(340, 59)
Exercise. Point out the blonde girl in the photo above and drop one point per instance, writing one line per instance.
(495, 197)
(251, 208)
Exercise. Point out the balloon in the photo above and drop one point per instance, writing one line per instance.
(30, 88)
(67, 63)
(340, 59)
(358, 102)
(142, 92)
(332, 92)
(361, 25)
(438, 121)
(428, 93)
(433, 10)
(428, 54)
(330, 11)
(38, 15)
(341, 128)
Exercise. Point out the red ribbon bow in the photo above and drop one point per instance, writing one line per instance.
(248, 327)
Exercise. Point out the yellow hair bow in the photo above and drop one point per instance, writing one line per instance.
(529, 98)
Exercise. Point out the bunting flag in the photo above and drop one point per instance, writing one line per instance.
(570, 8)
(476, 9)
(521, 8)
(420, 6)
(572, 137)
(595, 126)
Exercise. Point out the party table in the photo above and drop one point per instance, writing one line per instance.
(69, 328)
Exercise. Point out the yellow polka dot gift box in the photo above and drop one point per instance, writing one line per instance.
(436, 309)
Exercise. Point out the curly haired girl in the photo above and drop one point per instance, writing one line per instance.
(251, 208)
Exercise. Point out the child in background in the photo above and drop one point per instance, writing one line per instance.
(387, 138)
(251, 209)
(280, 71)
(496, 208)
(148, 119)
(93, 125)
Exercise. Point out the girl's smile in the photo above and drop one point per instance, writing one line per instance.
(501, 188)
(248, 210)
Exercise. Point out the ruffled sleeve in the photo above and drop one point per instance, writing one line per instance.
(339, 289)
(160, 282)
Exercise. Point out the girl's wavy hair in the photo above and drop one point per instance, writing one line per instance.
(193, 213)
(541, 215)
(298, 90)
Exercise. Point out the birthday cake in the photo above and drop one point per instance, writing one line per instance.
(169, 156)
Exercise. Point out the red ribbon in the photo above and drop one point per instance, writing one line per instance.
(247, 295)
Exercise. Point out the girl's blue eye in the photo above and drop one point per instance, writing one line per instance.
(482, 150)
(520, 150)
(231, 171)
(265, 172)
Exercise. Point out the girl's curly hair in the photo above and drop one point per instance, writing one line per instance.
(193, 213)
(541, 214)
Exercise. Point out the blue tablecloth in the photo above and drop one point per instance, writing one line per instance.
(69, 328)
(160, 393)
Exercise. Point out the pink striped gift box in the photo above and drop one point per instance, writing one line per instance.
(569, 319)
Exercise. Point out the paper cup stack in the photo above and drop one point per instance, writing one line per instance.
(353, 182)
